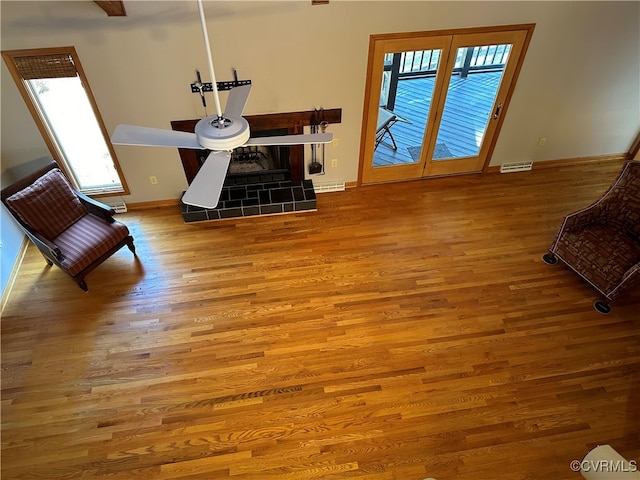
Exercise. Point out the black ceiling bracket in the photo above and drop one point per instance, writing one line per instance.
(228, 85)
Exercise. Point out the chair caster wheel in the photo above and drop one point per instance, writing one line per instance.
(602, 307)
(549, 259)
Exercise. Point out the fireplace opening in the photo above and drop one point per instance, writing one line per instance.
(251, 163)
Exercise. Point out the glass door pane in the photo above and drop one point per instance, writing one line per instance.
(403, 78)
(481, 71)
(471, 94)
(406, 97)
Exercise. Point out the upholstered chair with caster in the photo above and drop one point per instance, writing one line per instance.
(601, 242)
(70, 229)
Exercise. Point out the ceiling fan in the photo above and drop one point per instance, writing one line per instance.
(219, 133)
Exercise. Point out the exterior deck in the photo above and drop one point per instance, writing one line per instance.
(471, 101)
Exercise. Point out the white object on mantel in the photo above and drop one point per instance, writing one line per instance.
(604, 463)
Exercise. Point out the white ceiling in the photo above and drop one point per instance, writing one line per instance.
(82, 15)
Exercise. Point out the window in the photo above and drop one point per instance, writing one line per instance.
(57, 93)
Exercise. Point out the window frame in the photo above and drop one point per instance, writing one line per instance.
(9, 57)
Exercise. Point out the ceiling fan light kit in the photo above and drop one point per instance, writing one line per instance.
(219, 133)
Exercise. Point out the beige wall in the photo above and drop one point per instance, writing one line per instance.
(579, 86)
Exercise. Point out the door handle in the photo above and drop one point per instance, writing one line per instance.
(496, 114)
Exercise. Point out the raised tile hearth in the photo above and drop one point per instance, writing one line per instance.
(271, 193)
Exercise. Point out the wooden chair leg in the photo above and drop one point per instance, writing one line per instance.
(131, 245)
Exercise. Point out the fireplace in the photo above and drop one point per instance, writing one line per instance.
(252, 164)
(260, 180)
(255, 159)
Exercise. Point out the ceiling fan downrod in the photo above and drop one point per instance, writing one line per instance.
(212, 74)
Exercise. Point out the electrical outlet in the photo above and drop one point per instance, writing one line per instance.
(334, 162)
(153, 179)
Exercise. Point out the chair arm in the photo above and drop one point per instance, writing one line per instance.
(582, 218)
(44, 245)
(632, 274)
(630, 278)
(577, 220)
(96, 208)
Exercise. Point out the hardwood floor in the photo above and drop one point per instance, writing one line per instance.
(402, 331)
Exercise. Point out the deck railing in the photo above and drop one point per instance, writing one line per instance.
(425, 62)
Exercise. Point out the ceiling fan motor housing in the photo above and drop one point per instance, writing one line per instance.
(216, 135)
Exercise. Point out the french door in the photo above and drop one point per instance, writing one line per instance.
(435, 100)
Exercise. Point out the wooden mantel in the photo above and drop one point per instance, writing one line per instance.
(294, 122)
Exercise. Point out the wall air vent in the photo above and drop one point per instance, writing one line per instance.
(119, 207)
(516, 167)
(328, 187)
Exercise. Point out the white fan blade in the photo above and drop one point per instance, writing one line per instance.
(236, 100)
(153, 137)
(292, 139)
(206, 187)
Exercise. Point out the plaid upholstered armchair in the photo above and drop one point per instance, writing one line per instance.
(70, 229)
(601, 242)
